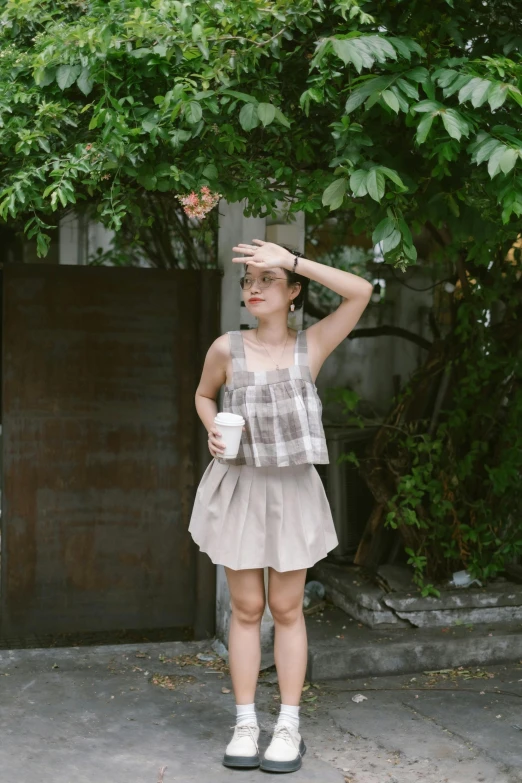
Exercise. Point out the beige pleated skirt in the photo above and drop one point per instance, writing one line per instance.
(252, 517)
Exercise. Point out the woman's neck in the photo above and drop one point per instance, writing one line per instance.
(273, 331)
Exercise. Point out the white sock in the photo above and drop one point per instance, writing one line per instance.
(245, 713)
(289, 714)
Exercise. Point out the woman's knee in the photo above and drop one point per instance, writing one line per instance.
(248, 611)
(285, 613)
(247, 594)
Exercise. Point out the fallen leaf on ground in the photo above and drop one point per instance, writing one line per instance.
(172, 681)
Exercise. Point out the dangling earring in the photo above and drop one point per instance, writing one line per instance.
(292, 307)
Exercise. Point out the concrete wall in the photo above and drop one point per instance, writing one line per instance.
(368, 365)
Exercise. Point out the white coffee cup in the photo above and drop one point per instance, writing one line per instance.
(230, 425)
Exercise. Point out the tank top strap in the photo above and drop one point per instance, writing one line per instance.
(301, 348)
(237, 352)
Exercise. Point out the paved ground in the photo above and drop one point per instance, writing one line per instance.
(128, 714)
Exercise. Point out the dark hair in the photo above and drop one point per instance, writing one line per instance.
(293, 277)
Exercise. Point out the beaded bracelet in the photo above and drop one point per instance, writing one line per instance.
(296, 260)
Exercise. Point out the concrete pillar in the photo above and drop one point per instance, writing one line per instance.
(80, 238)
(73, 239)
(234, 227)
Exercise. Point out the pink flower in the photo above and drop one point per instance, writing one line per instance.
(199, 206)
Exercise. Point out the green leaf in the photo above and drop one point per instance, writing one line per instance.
(49, 188)
(461, 80)
(424, 127)
(401, 47)
(179, 137)
(266, 112)
(43, 242)
(66, 75)
(508, 160)
(405, 231)
(410, 251)
(480, 93)
(403, 103)
(497, 95)
(391, 240)
(486, 149)
(454, 123)
(312, 94)
(149, 181)
(382, 230)
(418, 74)
(210, 172)
(280, 117)
(425, 106)
(193, 112)
(85, 82)
(391, 100)
(375, 85)
(350, 51)
(466, 92)
(375, 184)
(444, 76)
(150, 122)
(197, 33)
(380, 48)
(358, 183)
(323, 47)
(414, 47)
(45, 76)
(333, 196)
(139, 53)
(408, 89)
(160, 49)
(248, 117)
(391, 174)
(241, 95)
(515, 93)
(494, 160)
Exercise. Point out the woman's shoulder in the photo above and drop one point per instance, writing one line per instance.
(221, 346)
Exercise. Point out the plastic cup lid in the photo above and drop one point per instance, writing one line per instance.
(229, 418)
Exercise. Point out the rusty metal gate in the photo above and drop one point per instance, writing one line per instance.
(102, 449)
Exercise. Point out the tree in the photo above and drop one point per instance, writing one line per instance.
(407, 113)
(405, 116)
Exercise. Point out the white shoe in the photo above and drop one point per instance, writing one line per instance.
(285, 752)
(243, 750)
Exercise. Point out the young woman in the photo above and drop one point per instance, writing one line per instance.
(267, 507)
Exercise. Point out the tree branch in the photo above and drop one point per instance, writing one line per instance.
(391, 331)
(374, 331)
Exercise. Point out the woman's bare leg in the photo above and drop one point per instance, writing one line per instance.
(247, 592)
(285, 599)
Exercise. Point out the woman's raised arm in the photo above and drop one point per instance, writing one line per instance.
(330, 331)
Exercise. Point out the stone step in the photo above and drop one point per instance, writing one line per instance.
(339, 647)
(349, 588)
